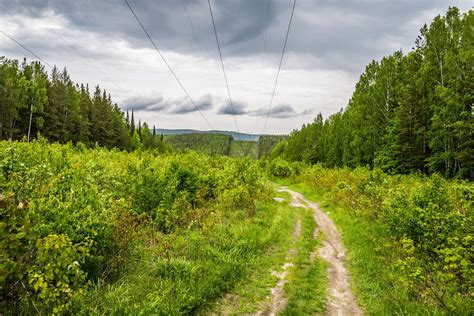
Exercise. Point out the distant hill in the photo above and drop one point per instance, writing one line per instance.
(222, 144)
(205, 143)
(235, 135)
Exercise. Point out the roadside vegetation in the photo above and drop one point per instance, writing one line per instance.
(409, 238)
(99, 227)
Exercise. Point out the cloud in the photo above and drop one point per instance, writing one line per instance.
(329, 45)
(140, 103)
(354, 30)
(280, 111)
(171, 106)
(237, 108)
(185, 106)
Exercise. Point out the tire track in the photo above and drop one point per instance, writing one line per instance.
(340, 300)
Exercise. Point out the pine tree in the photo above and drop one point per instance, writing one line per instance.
(132, 124)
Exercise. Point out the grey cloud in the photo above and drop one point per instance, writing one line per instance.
(186, 106)
(328, 30)
(279, 111)
(237, 108)
(172, 106)
(141, 103)
(307, 112)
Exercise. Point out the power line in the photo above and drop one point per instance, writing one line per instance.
(26, 48)
(259, 82)
(169, 67)
(260, 78)
(223, 68)
(196, 39)
(16, 49)
(279, 67)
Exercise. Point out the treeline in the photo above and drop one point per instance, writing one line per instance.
(408, 113)
(223, 144)
(209, 144)
(34, 102)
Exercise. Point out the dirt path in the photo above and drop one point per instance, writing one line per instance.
(341, 300)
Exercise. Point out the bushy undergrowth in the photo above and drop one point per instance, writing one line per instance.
(72, 218)
(209, 144)
(282, 168)
(430, 221)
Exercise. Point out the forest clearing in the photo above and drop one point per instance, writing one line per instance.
(366, 211)
(100, 231)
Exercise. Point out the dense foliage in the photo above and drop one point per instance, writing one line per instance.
(266, 143)
(429, 221)
(220, 144)
(210, 144)
(408, 113)
(243, 148)
(63, 111)
(69, 215)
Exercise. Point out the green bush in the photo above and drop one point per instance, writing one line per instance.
(63, 211)
(429, 219)
(280, 168)
(56, 274)
(439, 236)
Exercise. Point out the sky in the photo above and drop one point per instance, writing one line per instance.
(330, 43)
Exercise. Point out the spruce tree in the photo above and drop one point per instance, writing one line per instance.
(132, 124)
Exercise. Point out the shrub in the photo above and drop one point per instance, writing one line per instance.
(68, 222)
(280, 168)
(56, 275)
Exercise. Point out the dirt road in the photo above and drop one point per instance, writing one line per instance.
(340, 300)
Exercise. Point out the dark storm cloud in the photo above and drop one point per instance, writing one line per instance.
(335, 34)
(237, 108)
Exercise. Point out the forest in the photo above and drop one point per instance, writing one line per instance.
(33, 102)
(409, 112)
(100, 214)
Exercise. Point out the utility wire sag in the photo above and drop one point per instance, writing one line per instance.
(279, 67)
(27, 49)
(223, 68)
(169, 67)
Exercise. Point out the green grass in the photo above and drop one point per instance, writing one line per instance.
(369, 260)
(252, 292)
(306, 287)
(307, 281)
(188, 270)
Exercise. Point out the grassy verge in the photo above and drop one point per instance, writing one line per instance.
(369, 260)
(186, 271)
(249, 294)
